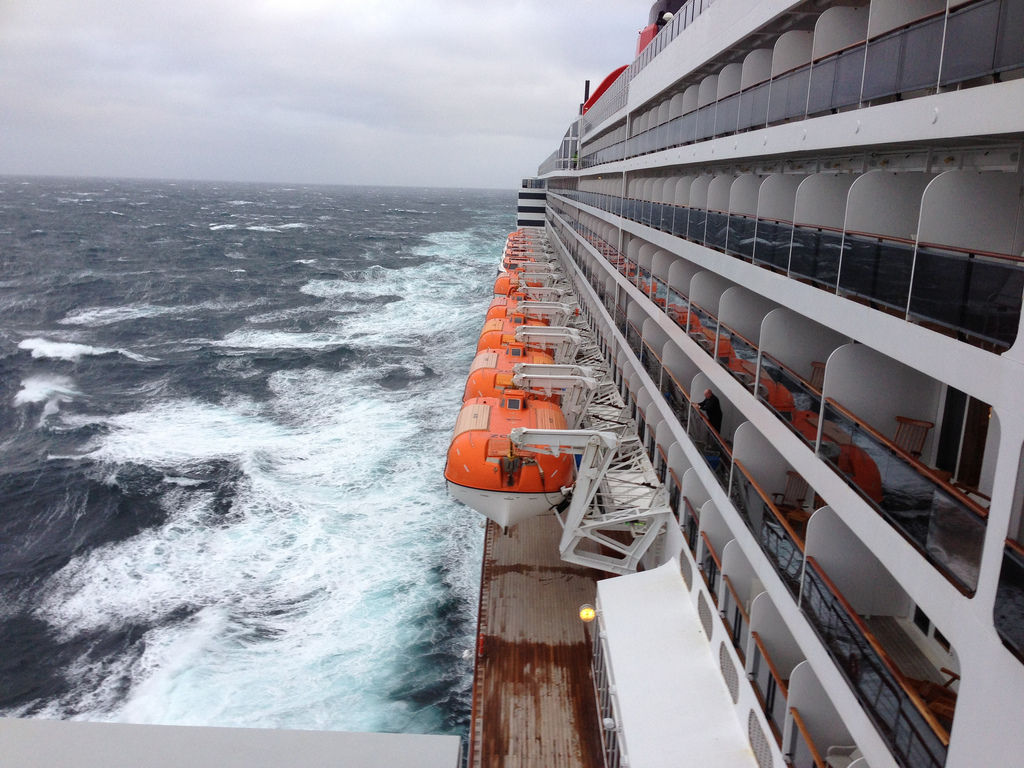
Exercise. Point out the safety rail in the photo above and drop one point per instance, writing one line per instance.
(1009, 604)
(738, 621)
(710, 566)
(771, 688)
(913, 733)
(944, 524)
(713, 448)
(783, 546)
(801, 743)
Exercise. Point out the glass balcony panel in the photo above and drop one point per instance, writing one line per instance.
(778, 540)
(688, 129)
(1009, 607)
(651, 363)
(753, 107)
(823, 78)
(690, 524)
(882, 67)
(711, 446)
(922, 49)
(945, 526)
(815, 255)
(771, 245)
(633, 339)
(771, 686)
(877, 269)
(788, 97)
(674, 132)
(676, 397)
(970, 46)
(914, 738)
(705, 122)
(717, 230)
(695, 225)
(680, 220)
(1010, 42)
(727, 115)
(791, 398)
(978, 296)
(740, 240)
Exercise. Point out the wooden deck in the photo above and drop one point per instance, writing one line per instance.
(533, 694)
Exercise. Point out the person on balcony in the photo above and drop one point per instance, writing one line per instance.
(712, 409)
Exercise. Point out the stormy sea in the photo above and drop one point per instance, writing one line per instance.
(224, 410)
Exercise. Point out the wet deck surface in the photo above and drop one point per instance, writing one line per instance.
(533, 695)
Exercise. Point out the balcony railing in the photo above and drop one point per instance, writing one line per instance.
(690, 522)
(779, 541)
(712, 447)
(783, 391)
(802, 752)
(1009, 607)
(710, 567)
(914, 735)
(771, 688)
(735, 617)
(945, 525)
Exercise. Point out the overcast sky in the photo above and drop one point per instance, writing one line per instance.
(407, 92)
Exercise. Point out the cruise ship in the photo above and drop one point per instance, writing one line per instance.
(812, 213)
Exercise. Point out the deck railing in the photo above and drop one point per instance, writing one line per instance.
(802, 752)
(772, 689)
(805, 397)
(710, 566)
(914, 736)
(1009, 606)
(783, 546)
(690, 522)
(944, 524)
(735, 617)
(712, 447)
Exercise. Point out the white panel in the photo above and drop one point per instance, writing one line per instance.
(889, 14)
(776, 198)
(821, 199)
(981, 211)
(729, 80)
(816, 709)
(792, 50)
(886, 203)
(743, 194)
(708, 90)
(718, 193)
(757, 67)
(838, 28)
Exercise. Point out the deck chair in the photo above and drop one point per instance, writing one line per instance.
(911, 434)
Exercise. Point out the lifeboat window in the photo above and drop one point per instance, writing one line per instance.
(513, 404)
(518, 320)
(514, 352)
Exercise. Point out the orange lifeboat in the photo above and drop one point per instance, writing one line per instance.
(486, 473)
(502, 330)
(491, 372)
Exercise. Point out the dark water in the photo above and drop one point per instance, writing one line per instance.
(223, 416)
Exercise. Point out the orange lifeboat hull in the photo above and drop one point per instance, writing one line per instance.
(491, 372)
(485, 474)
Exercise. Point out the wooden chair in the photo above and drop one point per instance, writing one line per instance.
(911, 434)
(817, 374)
(790, 502)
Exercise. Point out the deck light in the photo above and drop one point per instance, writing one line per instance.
(587, 613)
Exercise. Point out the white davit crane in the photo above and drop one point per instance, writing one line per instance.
(553, 312)
(574, 384)
(563, 343)
(618, 507)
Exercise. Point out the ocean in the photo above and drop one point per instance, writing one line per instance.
(224, 411)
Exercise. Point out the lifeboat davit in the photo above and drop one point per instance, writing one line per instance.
(491, 372)
(486, 473)
(502, 330)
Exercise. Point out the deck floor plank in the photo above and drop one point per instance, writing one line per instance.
(533, 695)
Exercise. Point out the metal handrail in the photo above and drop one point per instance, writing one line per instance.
(922, 469)
(805, 734)
(779, 517)
(883, 656)
(772, 669)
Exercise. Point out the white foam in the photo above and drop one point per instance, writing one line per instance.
(294, 225)
(37, 389)
(252, 338)
(65, 350)
(263, 229)
(218, 227)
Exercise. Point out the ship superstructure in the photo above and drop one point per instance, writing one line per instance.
(812, 212)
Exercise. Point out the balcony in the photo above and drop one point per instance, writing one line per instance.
(941, 521)
(1009, 607)
(769, 685)
(776, 533)
(916, 730)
